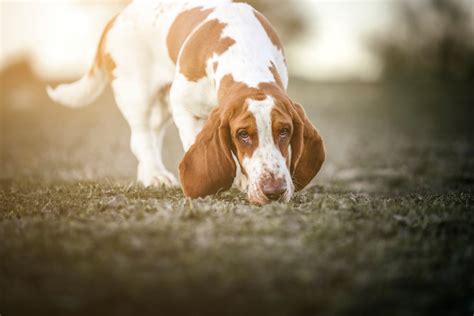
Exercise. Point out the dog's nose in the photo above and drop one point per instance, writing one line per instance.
(274, 188)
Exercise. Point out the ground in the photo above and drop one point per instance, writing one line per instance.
(387, 227)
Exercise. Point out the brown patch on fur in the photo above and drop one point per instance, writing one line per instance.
(269, 30)
(307, 149)
(214, 66)
(202, 45)
(243, 120)
(238, 92)
(281, 119)
(164, 92)
(182, 26)
(208, 167)
(276, 75)
(104, 60)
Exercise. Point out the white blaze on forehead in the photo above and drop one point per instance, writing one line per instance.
(262, 111)
(267, 161)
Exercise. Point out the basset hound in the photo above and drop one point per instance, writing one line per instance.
(218, 69)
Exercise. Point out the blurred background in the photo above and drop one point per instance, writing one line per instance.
(326, 40)
(382, 80)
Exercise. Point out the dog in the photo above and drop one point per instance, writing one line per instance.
(218, 69)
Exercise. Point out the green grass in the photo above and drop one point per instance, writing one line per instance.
(387, 229)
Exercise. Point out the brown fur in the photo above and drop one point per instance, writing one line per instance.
(269, 30)
(202, 45)
(243, 120)
(281, 118)
(231, 91)
(164, 92)
(276, 75)
(308, 152)
(103, 60)
(182, 26)
(208, 166)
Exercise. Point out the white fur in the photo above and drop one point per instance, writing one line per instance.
(191, 103)
(137, 44)
(79, 93)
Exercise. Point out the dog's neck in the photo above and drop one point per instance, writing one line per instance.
(231, 91)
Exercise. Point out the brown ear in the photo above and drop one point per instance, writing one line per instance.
(307, 149)
(208, 166)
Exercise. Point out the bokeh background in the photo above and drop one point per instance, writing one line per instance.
(387, 226)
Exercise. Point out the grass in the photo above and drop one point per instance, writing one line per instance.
(388, 227)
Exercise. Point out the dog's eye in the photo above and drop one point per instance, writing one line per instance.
(284, 132)
(244, 135)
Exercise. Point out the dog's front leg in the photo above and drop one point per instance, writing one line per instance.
(146, 123)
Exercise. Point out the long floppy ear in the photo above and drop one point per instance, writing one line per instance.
(307, 149)
(208, 166)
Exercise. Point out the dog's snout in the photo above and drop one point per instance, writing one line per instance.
(274, 188)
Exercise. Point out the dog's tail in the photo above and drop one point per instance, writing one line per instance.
(90, 86)
(81, 92)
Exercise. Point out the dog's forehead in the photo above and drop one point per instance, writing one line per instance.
(262, 112)
(251, 108)
(241, 118)
(281, 113)
(267, 111)
(260, 109)
(270, 110)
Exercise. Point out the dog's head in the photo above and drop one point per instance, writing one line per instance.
(268, 135)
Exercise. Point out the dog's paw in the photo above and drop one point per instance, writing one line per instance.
(164, 178)
(240, 182)
(158, 179)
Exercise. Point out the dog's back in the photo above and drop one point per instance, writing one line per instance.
(137, 40)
